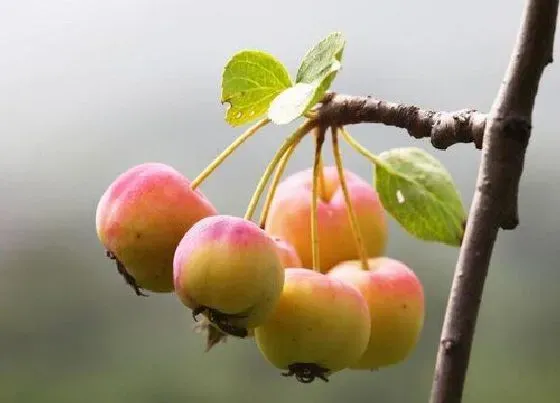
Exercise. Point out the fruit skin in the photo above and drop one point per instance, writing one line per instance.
(142, 216)
(231, 266)
(290, 217)
(396, 303)
(318, 319)
(288, 254)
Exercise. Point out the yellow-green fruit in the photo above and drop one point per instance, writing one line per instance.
(228, 268)
(319, 326)
(395, 298)
(140, 219)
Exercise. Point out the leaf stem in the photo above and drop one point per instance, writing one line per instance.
(294, 138)
(227, 152)
(362, 150)
(275, 181)
(315, 257)
(356, 232)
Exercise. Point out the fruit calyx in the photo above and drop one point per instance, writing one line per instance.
(222, 321)
(131, 281)
(213, 334)
(306, 372)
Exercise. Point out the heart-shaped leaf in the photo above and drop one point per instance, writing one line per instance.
(250, 81)
(416, 190)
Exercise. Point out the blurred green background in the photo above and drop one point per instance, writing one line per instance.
(89, 88)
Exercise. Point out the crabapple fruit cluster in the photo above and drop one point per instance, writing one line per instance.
(258, 282)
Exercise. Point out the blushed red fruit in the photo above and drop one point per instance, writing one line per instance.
(395, 298)
(141, 218)
(290, 217)
(228, 268)
(319, 326)
(288, 254)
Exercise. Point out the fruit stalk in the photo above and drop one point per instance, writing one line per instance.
(356, 232)
(322, 186)
(275, 181)
(319, 140)
(228, 151)
(294, 138)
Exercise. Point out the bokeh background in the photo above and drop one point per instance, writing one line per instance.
(89, 88)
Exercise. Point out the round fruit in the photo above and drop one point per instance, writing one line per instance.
(395, 298)
(320, 325)
(141, 218)
(229, 269)
(288, 254)
(290, 217)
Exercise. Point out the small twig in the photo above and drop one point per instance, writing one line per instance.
(443, 128)
(494, 204)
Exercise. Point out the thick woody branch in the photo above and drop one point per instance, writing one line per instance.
(494, 204)
(443, 128)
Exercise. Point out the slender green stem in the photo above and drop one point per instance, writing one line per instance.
(356, 231)
(315, 258)
(322, 186)
(227, 152)
(361, 149)
(275, 181)
(294, 138)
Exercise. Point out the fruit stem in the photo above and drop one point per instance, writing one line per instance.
(322, 186)
(356, 231)
(319, 140)
(293, 139)
(362, 150)
(275, 181)
(228, 151)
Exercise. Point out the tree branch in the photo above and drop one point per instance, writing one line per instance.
(443, 128)
(505, 141)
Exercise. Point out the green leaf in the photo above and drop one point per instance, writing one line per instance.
(319, 60)
(416, 189)
(315, 75)
(250, 81)
(291, 104)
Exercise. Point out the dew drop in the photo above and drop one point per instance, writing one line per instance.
(400, 197)
(238, 115)
(251, 113)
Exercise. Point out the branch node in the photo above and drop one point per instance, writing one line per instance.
(448, 345)
(517, 128)
(444, 128)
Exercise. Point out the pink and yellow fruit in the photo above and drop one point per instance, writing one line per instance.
(288, 254)
(395, 299)
(141, 218)
(290, 217)
(229, 269)
(320, 325)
